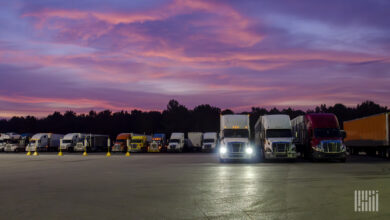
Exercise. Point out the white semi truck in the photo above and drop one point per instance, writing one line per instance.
(176, 142)
(210, 141)
(44, 142)
(70, 140)
(195, 141)
(274, 138)
(92, 142)
(234, 138)
(14, 143)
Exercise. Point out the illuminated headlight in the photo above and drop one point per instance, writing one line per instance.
(223, 150)
(248, 150)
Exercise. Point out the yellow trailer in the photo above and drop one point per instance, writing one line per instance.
(369, 134)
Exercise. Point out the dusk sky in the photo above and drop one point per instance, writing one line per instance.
(121, 54)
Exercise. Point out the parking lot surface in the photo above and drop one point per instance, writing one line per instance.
(186, 186)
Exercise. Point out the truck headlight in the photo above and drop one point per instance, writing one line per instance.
(249, 150)
(223, 150)
(318, 148)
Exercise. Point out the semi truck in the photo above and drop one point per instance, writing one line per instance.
(370, 135)
(273, 137)
(158, 143)
(195, 141)
(70, 140)
(210, 141)
(16, 142)
(122, 142)
(234, 138)
(92, 143)
(318, 136)
(140, 143)
(44, 142)
(176, 142)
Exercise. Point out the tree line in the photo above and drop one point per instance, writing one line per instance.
(175, 117)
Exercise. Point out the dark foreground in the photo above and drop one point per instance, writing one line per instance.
(185, 186)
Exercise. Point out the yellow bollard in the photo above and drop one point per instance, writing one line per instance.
(85, 153)
(127, 154)
(35, 152)
(60, 153)
(29, 153)
(108, 154)
(108, 148)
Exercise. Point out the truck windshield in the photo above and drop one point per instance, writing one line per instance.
(136, 141)
(174, 141)
(236, 133)
(327, 132)
(208, 141)
(278, 133)
(66, 141)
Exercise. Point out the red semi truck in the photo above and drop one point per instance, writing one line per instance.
(318, 136)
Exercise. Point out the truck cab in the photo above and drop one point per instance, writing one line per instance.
(273, 136)
(14, 143)
(158, 143)
(122, 142)
(210, 140)
(318, 136)
(234, 142)
(139, 143)
(176, 142)
(70, 140)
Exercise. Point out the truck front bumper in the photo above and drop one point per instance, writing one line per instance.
(237, 156)
(322, 155)
(280, 155)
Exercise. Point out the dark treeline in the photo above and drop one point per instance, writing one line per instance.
(175, 118)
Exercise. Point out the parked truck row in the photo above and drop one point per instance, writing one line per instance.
(313, 136)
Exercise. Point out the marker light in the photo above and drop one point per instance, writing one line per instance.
(249, 150)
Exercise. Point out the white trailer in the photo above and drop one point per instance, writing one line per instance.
(274, 138)
(2, 141)
(234, 138)
(92, 142)
(44, 142)
(176, 142)
(195, 140)
(70, 140)
(210, 140)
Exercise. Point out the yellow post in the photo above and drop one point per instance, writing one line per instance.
(108, 147)
(36, 151)
(60, 152)
(128, 148)
(29, 152)
(85, 148)
(128, 154)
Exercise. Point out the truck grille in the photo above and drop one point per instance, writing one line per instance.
(236, 147)
(280, 147)
(331, 147)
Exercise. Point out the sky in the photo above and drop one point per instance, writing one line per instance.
(123, 55)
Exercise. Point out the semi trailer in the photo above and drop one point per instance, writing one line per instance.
(210, 141)
(273, 137)
(16, 142)
(70, 140)
(318, 136)
(195, 141)
(92, 143)
(177, 142)
(370, 135)
(44, 142)
(158, 143)
(234, 138)
(122, 142)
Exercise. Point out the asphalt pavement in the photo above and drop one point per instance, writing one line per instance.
(186, 186)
